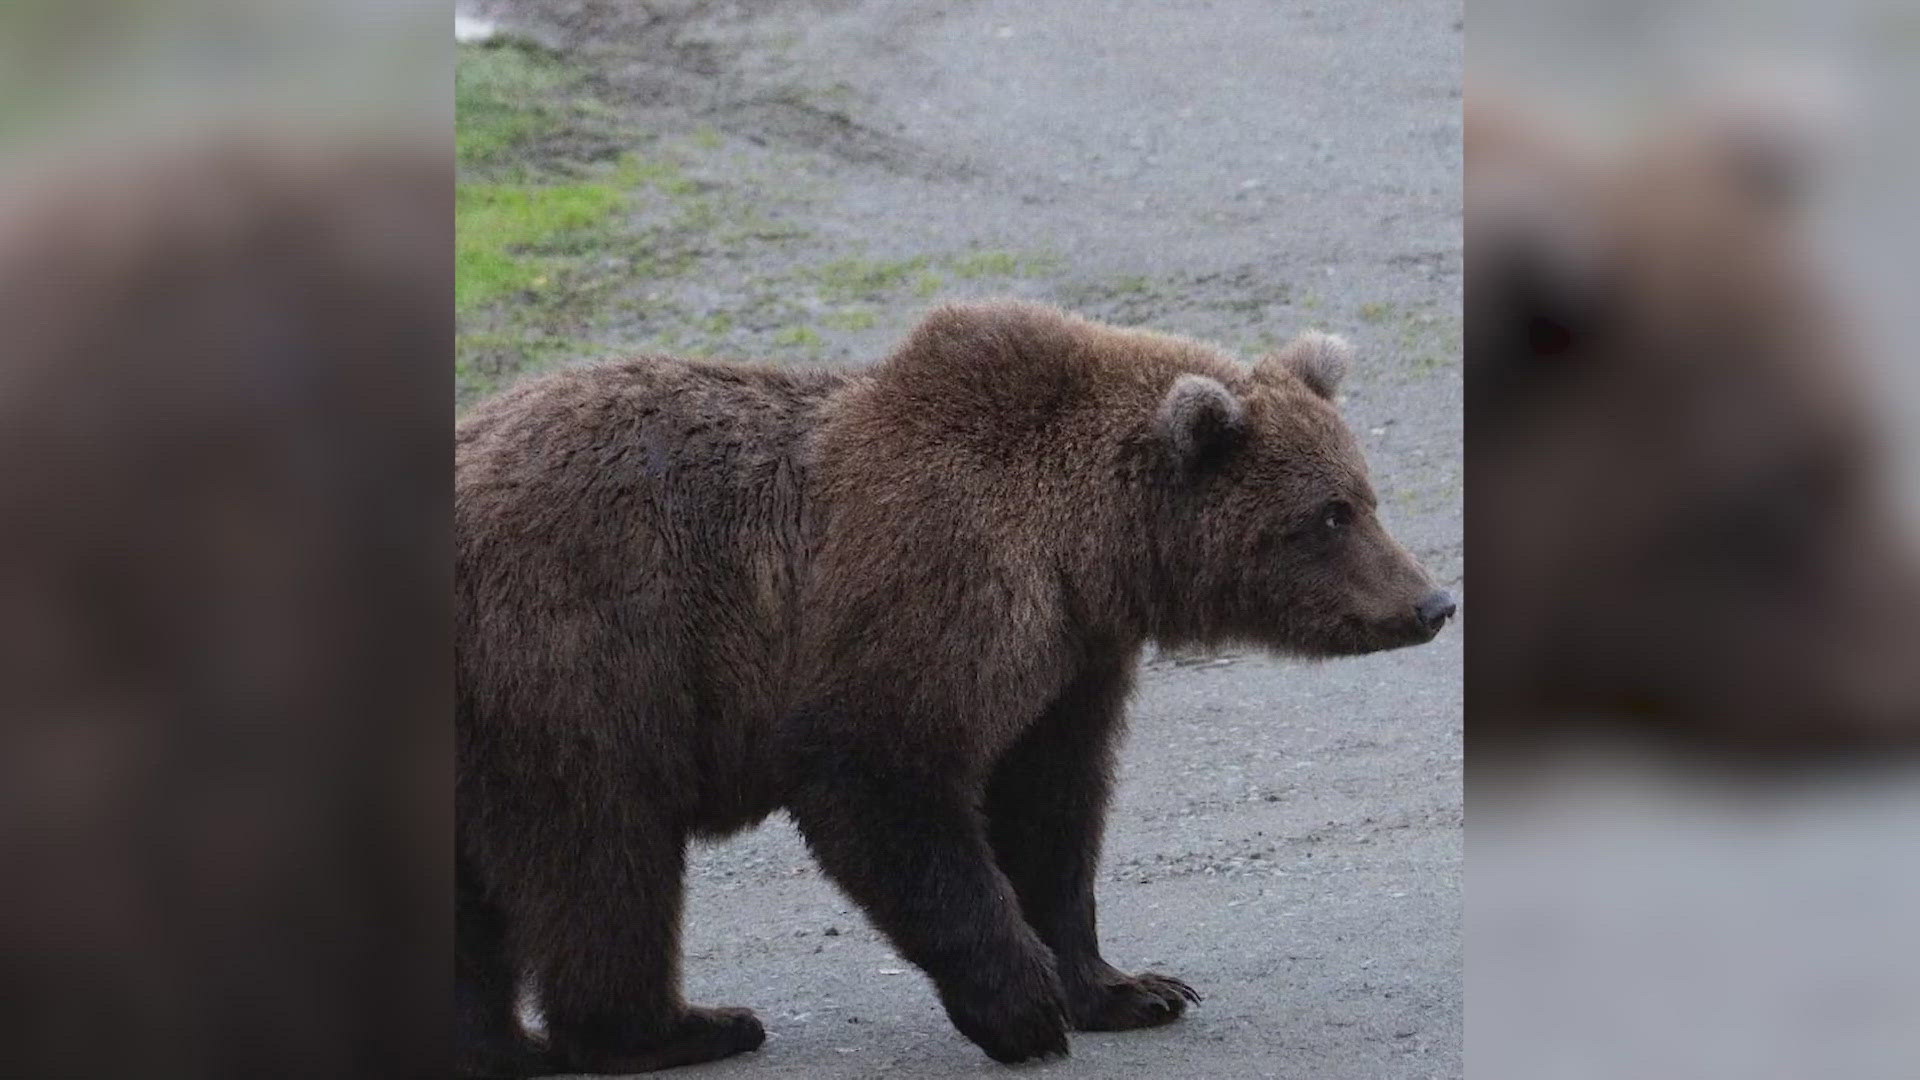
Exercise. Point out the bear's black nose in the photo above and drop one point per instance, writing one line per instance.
(1435, 610)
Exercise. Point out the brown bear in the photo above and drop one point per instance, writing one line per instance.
(903, 603)
(1682, 500)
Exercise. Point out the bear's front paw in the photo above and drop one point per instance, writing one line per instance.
(1013, 1026)
(1136, 1001)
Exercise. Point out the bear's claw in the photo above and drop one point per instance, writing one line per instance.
(1146, 1000)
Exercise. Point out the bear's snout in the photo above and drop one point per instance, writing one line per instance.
(1433, 612)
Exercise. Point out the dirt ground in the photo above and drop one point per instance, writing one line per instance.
(802, 180)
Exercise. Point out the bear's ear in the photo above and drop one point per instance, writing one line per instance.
(1199, 418)
(1320, 360)
(1768, 144)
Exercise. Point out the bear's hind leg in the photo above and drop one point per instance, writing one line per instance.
(488, 1041)
(1046, 810)
(606, 944)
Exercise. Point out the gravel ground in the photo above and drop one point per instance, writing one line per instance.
(1286, 836)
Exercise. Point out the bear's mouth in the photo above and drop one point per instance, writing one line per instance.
(1359, 636)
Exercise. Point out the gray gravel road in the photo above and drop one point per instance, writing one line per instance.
(1287, 836)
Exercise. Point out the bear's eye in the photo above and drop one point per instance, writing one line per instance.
(1335, 517)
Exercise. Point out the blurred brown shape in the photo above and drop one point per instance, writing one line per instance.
(224, 781)
(1679, 518)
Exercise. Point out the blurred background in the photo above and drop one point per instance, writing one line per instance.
(225, 248)
(1693, 676)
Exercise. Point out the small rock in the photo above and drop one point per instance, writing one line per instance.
(832, 931)
(468, 30)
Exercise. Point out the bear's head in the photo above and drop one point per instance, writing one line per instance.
(1268, 530)
(1682, 499)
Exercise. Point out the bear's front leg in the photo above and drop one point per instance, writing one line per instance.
(908, 847)
(1046, 807)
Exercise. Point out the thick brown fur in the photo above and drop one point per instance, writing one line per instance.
(904, 604)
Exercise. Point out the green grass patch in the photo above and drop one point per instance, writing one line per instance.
(749, 224)
(501, 228)
(719, 324)
(799, 337)
(505, 96)
(661, 174)
(858, 279)
(981, 264)
(986, 264)
(851, 319)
